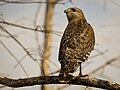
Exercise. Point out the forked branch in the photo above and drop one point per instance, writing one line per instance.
(86, 81)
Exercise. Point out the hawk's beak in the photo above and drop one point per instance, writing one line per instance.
(66, 11)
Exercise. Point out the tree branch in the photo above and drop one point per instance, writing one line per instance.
(31, 29)
(105, 64)
(32, 2)
(86, 81)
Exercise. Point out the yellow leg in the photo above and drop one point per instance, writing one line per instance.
(80, 73)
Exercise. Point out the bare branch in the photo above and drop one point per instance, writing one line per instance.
(18, 43)
(99, 53)
(31, 29)
(14, 58)
(86, 81)
(106, 64)
(32, 2)
(116, 3)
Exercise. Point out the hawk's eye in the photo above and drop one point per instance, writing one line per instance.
(73, 9)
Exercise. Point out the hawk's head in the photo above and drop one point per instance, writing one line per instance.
(74, 13)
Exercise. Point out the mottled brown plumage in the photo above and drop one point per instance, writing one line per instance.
(76, 44)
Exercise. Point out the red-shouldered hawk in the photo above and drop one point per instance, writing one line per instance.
(76, 44)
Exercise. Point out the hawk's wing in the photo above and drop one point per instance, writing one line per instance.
(76, 43)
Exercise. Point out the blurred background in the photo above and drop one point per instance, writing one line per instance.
(30, 33)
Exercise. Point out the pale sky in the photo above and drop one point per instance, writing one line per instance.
(105, 18)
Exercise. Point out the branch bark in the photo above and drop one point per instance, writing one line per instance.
(86, 81)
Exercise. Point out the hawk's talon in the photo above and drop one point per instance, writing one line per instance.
(83, 75)
(80, 76)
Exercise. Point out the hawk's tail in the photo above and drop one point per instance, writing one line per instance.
(66, 70)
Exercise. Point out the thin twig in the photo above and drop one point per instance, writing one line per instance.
(31, 2)
(104, 65)
(31, 29)
(18, 43)
(14, 58)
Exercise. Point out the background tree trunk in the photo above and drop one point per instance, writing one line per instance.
(48, 40)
